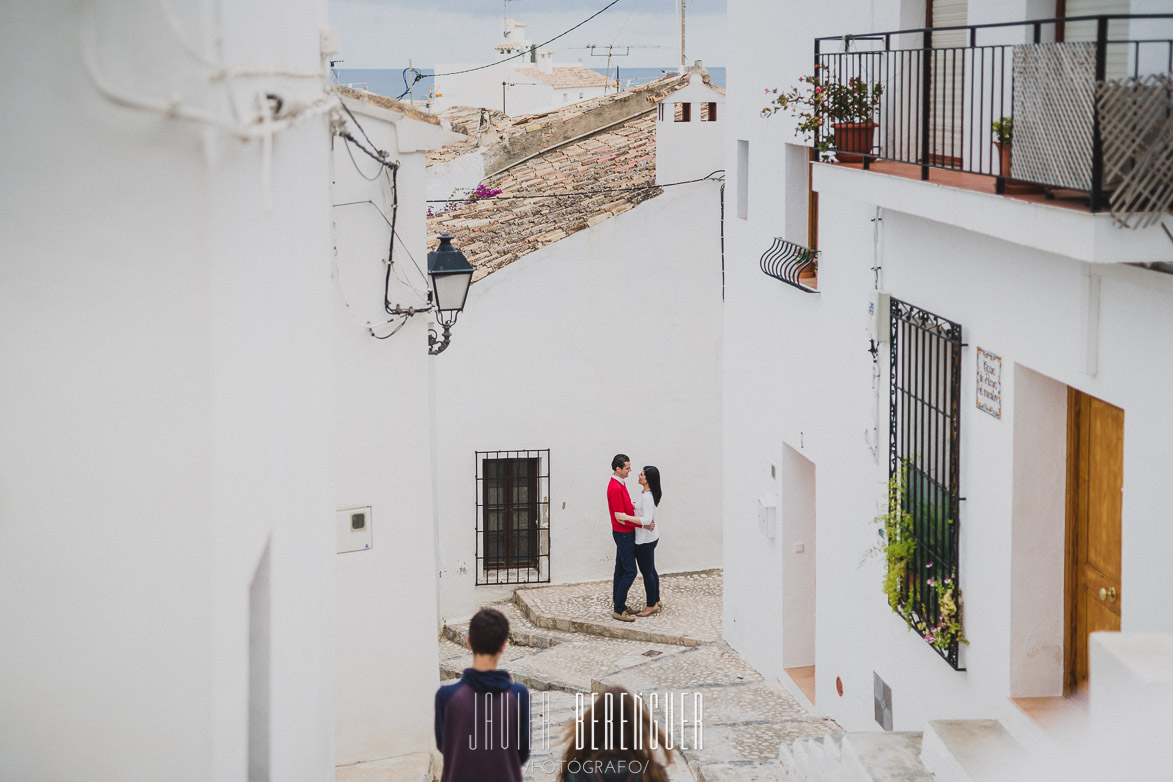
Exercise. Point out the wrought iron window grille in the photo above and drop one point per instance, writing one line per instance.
(791, 263)
(1074, 91)
(924, 456)
(513, 517)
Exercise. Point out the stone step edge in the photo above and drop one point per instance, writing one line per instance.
(458, 633)
(430, 773)
(598, 685)
(982, 755)
(613, 628)
(532, 682)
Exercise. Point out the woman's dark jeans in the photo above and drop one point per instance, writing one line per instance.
(645, 555)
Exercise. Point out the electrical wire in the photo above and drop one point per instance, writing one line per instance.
(414, 262)
(379, 157)
(361, 130)
(707, 178)
(420, 76)
(261, 127)
(391, 245)
(394, 331)
(378, 174)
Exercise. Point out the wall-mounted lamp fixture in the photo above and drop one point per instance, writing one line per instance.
(451, 275)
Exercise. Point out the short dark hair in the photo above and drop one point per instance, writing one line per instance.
(488, 631)
(619, 460)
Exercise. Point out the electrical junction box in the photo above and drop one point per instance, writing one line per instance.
(880, 317)
(353, 527)
(768, 516)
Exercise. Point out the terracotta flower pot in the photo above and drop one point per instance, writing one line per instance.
(1013, 186)
(1004, 157)
(852, 140)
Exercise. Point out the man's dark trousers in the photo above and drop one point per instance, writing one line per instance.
(624, 567)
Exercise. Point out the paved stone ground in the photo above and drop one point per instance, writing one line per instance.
(691, 617)
(565, 641)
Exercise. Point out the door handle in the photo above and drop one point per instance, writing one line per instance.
(1108, 594)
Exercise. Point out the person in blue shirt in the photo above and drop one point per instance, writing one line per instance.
(483, 720)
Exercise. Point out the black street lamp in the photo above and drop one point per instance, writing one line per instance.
(451, 275)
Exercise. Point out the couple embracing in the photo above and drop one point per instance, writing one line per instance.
(634, 529)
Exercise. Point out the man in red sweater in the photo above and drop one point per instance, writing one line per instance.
(619, 501)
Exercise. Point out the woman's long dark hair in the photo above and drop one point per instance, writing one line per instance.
(652, 476)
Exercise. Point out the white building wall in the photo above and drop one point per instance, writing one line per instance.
(798, 374)
(164, 300)
(483, 89)
(607, 341)
(387, 668)
(693, 149)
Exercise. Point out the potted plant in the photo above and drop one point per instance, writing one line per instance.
(1003, 129)
(821, 100)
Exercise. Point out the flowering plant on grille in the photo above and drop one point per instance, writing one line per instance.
(948, 630)
(821, 99)
(903, 590)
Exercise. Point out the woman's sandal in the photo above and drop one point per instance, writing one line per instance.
(650, 610)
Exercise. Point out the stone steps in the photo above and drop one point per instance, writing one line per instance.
(522, 632)
(971, 751)
(856, 757)
(947, 751)
(417, 767)
(565, 643)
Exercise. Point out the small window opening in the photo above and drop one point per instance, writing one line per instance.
(683, 112)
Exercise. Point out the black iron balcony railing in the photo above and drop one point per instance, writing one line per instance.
(1023, 102)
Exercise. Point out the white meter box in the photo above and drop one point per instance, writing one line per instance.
(767, 516)
(353, 526)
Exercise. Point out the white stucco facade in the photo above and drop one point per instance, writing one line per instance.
(191, 395)
(386, 665)
(607, 341)
(689, 142)
(1047, 289)
(166, 310)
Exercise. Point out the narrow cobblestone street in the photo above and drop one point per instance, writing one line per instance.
(564, 641)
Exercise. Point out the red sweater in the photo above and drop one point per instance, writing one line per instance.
(619, 501)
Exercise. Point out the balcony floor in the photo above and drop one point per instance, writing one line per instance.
(1064, 199)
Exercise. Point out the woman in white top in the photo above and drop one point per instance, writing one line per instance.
(646, 536)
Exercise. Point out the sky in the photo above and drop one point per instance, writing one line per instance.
(387, 33)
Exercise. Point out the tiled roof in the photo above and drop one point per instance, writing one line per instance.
(494, 232)
(565, 77)
(491, 124)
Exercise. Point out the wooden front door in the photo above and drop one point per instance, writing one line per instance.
(1095, 481)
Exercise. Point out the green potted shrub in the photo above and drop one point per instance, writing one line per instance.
(1003, 129)
(822, 100)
